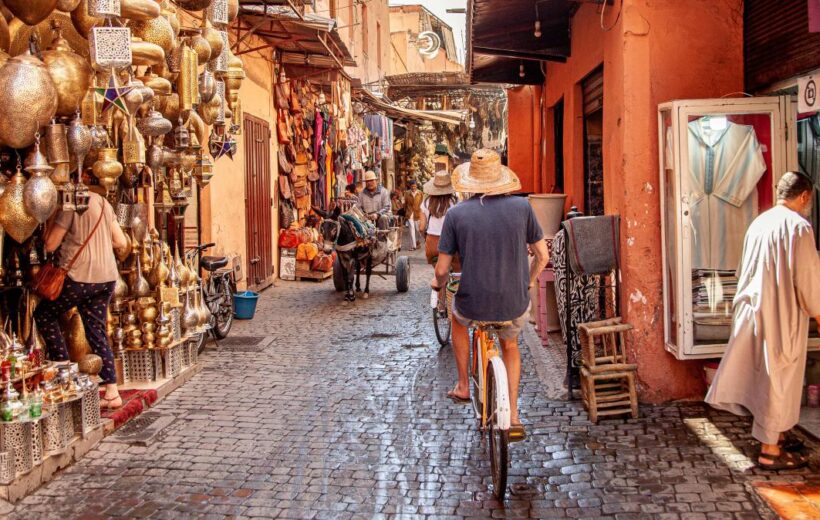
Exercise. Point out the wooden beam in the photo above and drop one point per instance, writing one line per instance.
(559, 55)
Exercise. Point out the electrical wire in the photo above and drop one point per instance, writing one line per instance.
(603, 10)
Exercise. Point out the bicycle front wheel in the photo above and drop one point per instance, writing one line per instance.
(498, 438)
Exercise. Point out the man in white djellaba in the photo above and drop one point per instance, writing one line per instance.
(778, 291)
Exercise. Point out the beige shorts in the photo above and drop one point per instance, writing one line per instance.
(508, 333)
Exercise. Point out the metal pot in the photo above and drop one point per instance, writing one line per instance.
(28, 93)
(70, 72)
(14, 218)
(31, 12)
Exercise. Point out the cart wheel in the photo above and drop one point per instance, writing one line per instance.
(402, 274)
(338, 275)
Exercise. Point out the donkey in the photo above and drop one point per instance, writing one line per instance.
(340, 234)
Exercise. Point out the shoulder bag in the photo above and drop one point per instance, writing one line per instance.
(48, 283)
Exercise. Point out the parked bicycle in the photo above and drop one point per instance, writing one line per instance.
(489, 393)
(217, 292)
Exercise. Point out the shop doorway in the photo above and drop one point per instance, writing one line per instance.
(258, 203)
(593, 91)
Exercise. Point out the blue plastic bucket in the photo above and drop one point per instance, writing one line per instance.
(244, 305)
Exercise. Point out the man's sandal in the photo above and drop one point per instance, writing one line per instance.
(786, 460)
(517, 433)
(792, 442)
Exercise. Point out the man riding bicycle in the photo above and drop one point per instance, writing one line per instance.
(490, 232)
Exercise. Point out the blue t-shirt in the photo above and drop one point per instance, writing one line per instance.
(491, 236)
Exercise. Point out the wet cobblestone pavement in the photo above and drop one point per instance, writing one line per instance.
(320, 410)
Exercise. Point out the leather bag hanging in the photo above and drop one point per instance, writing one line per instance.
(282, 95)
(285, 167)
(282, 129)
(295, 105)
(49, 281)
(284, 188)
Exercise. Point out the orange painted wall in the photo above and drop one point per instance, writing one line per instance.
(657, 51)
(524, 135)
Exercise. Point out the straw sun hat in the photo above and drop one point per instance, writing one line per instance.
(485, 174)
(370, 175)
(439, 184)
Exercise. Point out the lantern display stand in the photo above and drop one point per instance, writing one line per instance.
(32, 449)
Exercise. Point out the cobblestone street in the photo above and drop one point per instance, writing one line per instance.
(320, 410)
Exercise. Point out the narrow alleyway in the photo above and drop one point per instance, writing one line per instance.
(319, 410)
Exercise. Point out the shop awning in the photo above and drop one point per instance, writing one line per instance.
(303, 40)
(501, 42)
(448, 117)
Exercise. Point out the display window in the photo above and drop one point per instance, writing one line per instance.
(719, 165)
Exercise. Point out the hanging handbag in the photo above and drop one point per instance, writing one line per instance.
(281, 97)
(295, 106)
(282, 129)
(284, 165)
(49, 280)
(284, 188)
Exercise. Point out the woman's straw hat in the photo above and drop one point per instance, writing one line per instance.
(439, 184)
(485, 174)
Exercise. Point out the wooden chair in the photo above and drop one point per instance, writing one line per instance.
(607, 380)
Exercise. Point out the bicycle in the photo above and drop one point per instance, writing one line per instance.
(490, 397)
(217, 293)
(441, 312)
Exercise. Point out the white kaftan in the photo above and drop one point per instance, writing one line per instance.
(778, 289)
(724, 169)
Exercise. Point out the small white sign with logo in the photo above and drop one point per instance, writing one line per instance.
(807, 95)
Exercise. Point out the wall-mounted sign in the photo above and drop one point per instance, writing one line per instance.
(807, 94)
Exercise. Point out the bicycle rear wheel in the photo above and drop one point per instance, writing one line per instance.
(498, 445)
(441, 321)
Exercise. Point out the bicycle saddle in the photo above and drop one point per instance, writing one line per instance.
(212, 263)
(492, 325)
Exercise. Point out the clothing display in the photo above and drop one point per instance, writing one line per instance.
(712, 295)
(808, 157)
(725, 166)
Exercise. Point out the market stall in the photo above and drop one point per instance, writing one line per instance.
(134, 100)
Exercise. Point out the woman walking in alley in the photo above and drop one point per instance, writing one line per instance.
(440, 198)
(86, 245)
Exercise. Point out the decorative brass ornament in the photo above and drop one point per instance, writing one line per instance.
(67, 6)
(169, 11)
(104, 8)
(170, 109)
(233, 10)
(28, 92)
(5, 35)
(210, 111)
(14, 218)
(31, 12)
(154, 125)
(207, 86)
(58, 155)
(70, 72)
(107, 168)
(140, 9)
(202, 48)
(187, 80)
(82, 21)
(39, 193)
(213, 37)
(217, 13)
(198, 128)
(193, 5)
(157, 31)
(160, 86)
(146, 53)
(110, 47)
